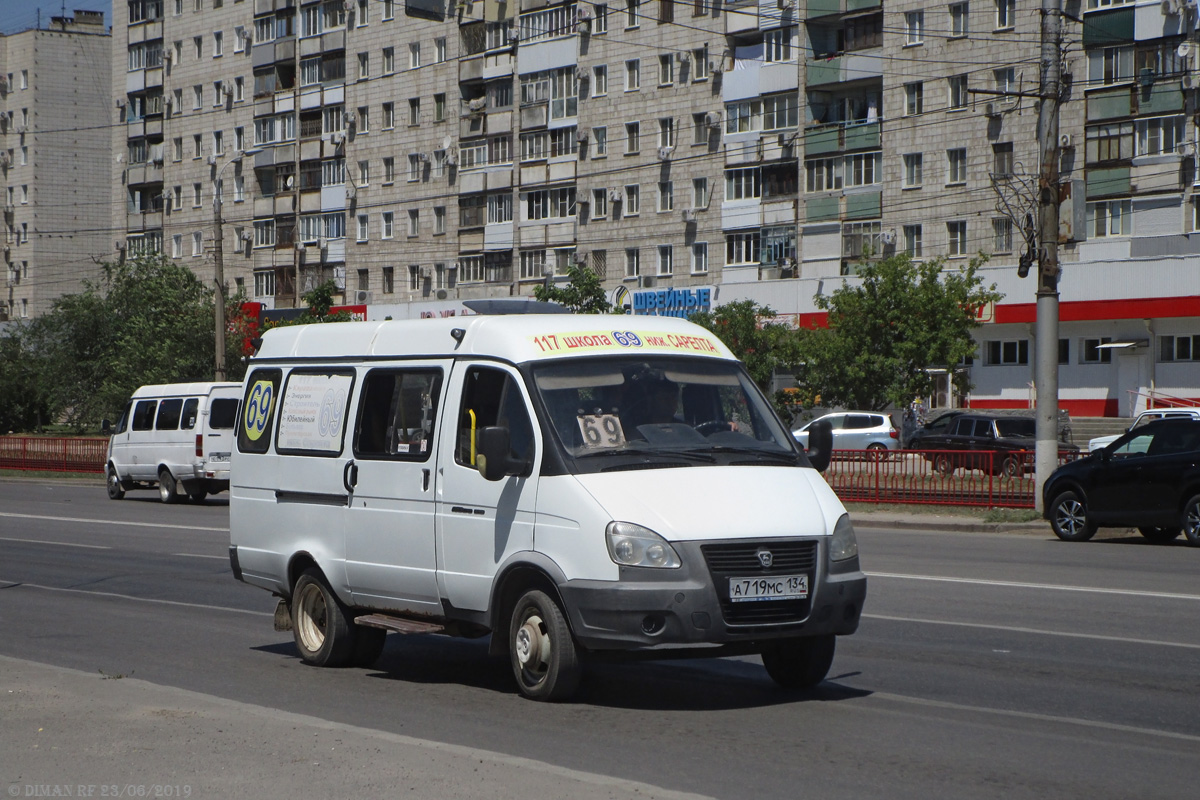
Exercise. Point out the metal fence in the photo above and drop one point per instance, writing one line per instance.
(52, 454)
(991, 479)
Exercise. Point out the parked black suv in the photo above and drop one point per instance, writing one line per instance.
(995, 443)
(1148, 479)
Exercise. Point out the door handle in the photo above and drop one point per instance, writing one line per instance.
(350, 476)
(425, 480)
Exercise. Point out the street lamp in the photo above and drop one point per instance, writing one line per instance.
(219, 260)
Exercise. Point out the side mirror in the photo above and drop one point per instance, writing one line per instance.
(820, 445)
(1104, 455)
(491, 452)
(105, 427)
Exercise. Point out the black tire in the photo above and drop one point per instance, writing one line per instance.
(1010, 467)
(942, 464)
(1191, 521)
(368, 645)
(544, 659)
(167, 490)
(197, 495)
(799, 663)
(1160, 535)
(321, 625)
(1069, 517)
(876, 452)
(116, 490)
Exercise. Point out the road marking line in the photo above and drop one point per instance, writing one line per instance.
(60, 544)
(21, 584)
(1014, 629)
(1050, 586)
(1086, 723)
(198, 555)
(113, 522)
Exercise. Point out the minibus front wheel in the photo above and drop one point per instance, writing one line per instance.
(544, 659)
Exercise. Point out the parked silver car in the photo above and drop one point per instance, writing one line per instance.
(1100, 442)
(857, 430)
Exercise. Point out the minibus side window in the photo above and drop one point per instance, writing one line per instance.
(143, 415)
(189, 413)
(492, 397)
(123, 422)
(168, 415)
(222, 413)
(258, 410)
(396, 414)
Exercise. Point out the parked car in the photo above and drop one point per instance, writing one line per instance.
(1101, 442)
(994, 443)
(857, 430)
(935, 426)
(1149, 479)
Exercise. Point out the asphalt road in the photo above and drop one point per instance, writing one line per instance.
(986, 666)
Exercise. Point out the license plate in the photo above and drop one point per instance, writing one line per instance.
(774, 587)
(218, 456)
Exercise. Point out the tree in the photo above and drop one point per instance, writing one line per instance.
(583, 293)
(22, 403)
(887, 333)
(751, 332)
(319, 301)
(147, 320)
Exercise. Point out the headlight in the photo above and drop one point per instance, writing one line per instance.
(843, 545)
(634, 546)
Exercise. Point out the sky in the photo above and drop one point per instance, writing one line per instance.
(19, 15)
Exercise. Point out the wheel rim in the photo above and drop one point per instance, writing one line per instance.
(875, 452)
(114, 483)
(1191, 522)
(166, 486)
(533, 648)
(312, 617)
(1071, 517)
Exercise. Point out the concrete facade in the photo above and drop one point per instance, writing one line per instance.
(54, 157)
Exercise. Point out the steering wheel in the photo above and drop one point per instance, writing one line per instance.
(712, 426)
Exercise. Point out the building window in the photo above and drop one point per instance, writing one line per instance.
(958, 20)
(742, 248)
(700, 64)
(1006, 81)
(956, 165)
(439, 108)
(633, 262)
(666, 196)
(633, 75)
(599, 142)
(414, 222)
(362, 227)
(666, 132)
(743, 184)
(1006, 14)
(500, 208)
(364, 173)
(389, 115)
(1179, 348)
(912, 240)
(912, 170)
(198, 243)
(389, 280)
(389, 169)
(1006, 352)
(177, 246)
(1002, 160)
(632, 203)
(600, 23)
(1158, 136)
(364, 119)
(414, 55)
(414, 276)
(218, 44)
(699, 258)
(699, 192)
(956, 233)
(666, 260)
(666, 70)
(633, 132)
(1111, 142)
(1110, 218)
(599, 80)
(1002, 235)
(599, 203)
(389, 60)
(264, 283)
(439, 50)
(1091, 352)
(388, 219)
(957, 85)
(439, 220)
(777, 45)
(1109, 65)
(239, 89)
(631, 13)
(914, 98)
(914, 27)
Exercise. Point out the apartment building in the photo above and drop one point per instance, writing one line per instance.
(54, 158)
(421, 154)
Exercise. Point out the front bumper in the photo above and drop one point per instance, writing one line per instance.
(658, 608)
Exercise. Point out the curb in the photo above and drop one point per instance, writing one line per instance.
(963, 525)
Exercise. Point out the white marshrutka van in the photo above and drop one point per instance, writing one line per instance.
(176, 437)
(568, 484)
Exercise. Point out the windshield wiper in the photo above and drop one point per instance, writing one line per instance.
(774, 455)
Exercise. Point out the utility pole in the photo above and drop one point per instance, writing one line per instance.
(1046, 331)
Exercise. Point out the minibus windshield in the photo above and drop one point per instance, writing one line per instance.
(666, 411)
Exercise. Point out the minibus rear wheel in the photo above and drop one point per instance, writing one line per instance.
(322, 626)
(799, 663)
(544, 659)
(166, 486)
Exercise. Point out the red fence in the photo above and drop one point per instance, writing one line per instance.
(938, 477)
(48, 454)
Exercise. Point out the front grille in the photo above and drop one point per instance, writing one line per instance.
(740, 560)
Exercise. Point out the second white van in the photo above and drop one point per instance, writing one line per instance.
(570, 485)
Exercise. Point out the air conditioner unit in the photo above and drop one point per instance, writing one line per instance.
(451, 157)
(227, 89)
(362, 296)
(689, 215)
(581, 73)
(1184, 148)
(583, 12)
(166, 57)
(664, 153)
(349, 117)
(423, 158)
(120, 102)
(581, 136)
(247, 236)
(713, 118)
(166, 195)
(991, 110)
(1065, 141)
(322, 243)
(3, 160)
(167, 103)
(424, 273)
(887, 237)
(1146, 77)
(581, 257)
(614, 195)
(787, 5)
(1188, 81)
(452, 266)
(348, 5)
(478, 104)
(1170, 8)
(337, 138)
(685, 58)
(646, 281)
(715, 66)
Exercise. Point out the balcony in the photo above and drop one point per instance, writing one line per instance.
(821, 139)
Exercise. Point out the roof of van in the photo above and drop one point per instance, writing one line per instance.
(516, 338)
(184, 389)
